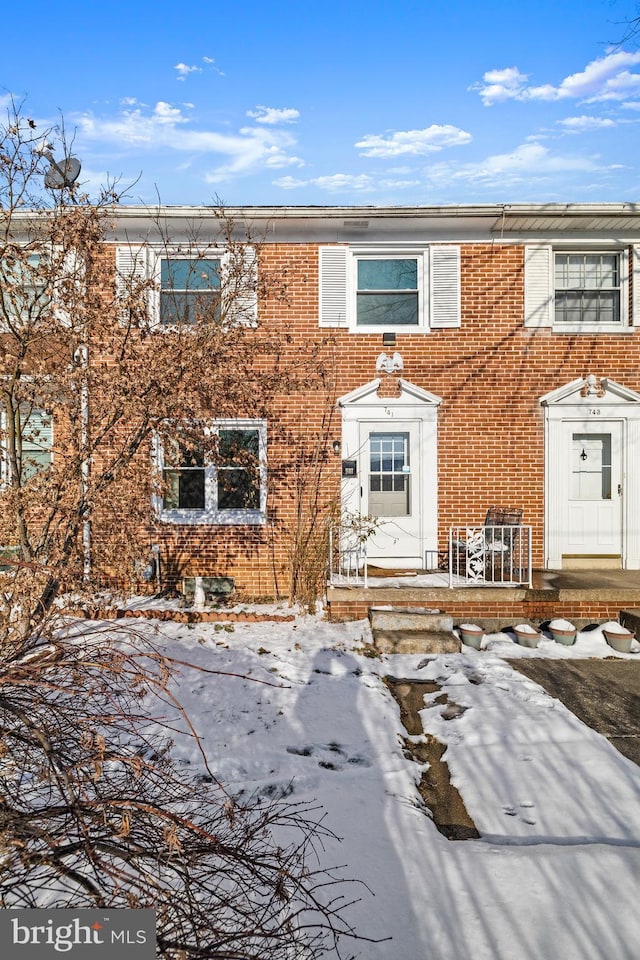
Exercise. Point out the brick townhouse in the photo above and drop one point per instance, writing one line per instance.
(478, 356)
(481, 355)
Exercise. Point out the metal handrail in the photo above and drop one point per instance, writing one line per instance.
(347, 557)
(488, 555)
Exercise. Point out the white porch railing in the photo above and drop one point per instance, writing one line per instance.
(347, 558)
(489, 555)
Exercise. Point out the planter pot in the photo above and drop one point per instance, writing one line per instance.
(620, 642)
(563, 636)
(472, 636)
(527, 639)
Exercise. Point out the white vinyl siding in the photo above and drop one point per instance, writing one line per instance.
(34, 440)
(418, 289)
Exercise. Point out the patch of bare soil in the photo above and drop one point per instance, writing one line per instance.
(440, 796)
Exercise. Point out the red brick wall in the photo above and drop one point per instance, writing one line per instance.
(490, 374)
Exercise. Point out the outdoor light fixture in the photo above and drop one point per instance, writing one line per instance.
(337, 447)
(389, 339)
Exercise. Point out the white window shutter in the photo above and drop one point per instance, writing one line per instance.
(132, 266)
(240, 283)
(333, 287)
(538, 286)
(635, 281)
(444, 286)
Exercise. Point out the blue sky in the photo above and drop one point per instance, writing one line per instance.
(338, 102)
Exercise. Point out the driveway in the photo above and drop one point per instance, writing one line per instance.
(605, 694)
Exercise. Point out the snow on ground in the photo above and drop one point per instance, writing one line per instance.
(556, 872)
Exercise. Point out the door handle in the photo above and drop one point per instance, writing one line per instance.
(619, 489)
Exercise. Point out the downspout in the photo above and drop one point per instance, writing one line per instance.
(81, 357)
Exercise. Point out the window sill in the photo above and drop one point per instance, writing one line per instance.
(389, 328)
(592, 328)
(222, 518)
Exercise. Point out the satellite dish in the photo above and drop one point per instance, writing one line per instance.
(62, 174)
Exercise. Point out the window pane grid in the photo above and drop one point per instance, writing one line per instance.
(228, 482)
(587, 288)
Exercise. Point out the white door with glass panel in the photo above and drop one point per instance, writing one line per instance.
(594, 500)
(390, 491)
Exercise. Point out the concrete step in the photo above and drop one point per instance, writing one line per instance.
(398, 629)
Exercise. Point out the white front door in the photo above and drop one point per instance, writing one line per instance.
(593, 490)
(391, 491)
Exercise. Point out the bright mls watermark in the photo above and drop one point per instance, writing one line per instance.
(80, 934)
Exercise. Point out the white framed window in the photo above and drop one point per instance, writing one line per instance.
(587, 288)
(33, 432)
(577, 290)
(388, 291)
(189, 290)
(25, 294)
(405, 289)
(191, 286)
(221, 480)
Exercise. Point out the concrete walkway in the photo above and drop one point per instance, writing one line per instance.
(605, 694)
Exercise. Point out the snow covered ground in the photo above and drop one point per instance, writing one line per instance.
(556, 873)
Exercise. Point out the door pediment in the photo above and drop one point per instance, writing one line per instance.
(587, 391)
(409, 396)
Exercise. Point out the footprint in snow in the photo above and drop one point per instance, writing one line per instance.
(510, 811)
(330, 756)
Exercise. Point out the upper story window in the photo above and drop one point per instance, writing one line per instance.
(177, 288)
(387, 292)
(587, 288)
(412, 289)
(25, 293)
(579, 291)
(224, 482)
(25, 443)
(189, 290)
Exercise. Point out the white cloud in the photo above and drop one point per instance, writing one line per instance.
(497, 85)
(336, 183)
(346, 183)
(527, 163)
(276, 159)
(184, 70)
(166, 127)
(413, 142)
(584, 124)
(274, 115)
(210, 62)
(606, 78)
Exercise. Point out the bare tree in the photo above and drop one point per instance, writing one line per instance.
(95, 813)
(77, 340)
(631, 28)
(93, 810)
